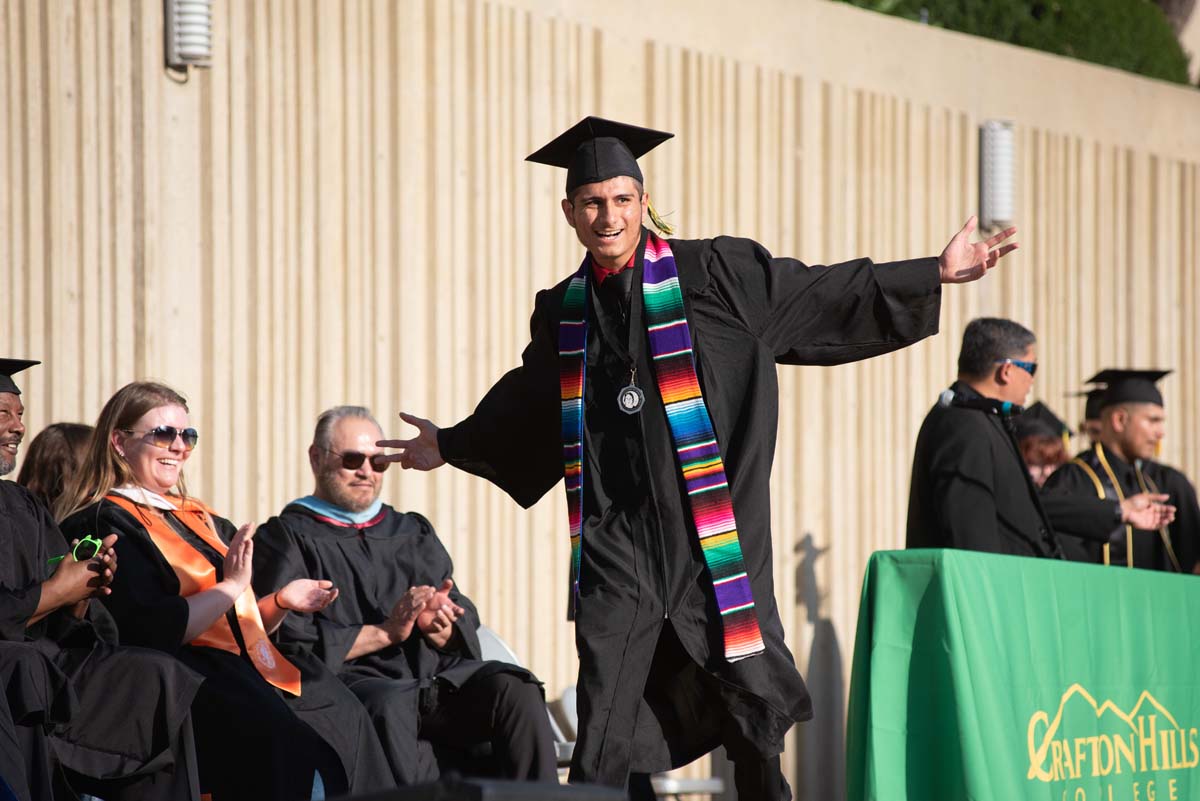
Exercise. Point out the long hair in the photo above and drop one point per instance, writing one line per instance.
(104, 468)
(54, 455)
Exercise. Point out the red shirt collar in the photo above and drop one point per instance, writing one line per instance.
(600, 273)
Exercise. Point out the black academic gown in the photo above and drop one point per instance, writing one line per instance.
(116, 718)
(1149, 551)
(254, 741)
(373, 565)
(642, 567)
(970, 488)
(1185, 530)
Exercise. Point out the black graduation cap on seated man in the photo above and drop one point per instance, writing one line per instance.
(1129, 386)
(596, 149)
(9, 368)
(1038, 421)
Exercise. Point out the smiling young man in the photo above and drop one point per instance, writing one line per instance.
(401, 635)
(1119, 466)
(650, 384)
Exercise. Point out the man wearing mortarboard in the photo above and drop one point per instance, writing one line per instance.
(1132, 420)
(1090, 425)
(115, 720)
(650, 385)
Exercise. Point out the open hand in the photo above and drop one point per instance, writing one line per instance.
(422, 451)
(306, 595)
(963, 261)
(1147, 511)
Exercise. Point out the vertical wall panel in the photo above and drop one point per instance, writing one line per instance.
(338, 211)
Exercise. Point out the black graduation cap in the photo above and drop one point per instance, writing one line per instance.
(1129, 386)
(1038, 421)
(9, 368)
(596, 149)
(1091, 407)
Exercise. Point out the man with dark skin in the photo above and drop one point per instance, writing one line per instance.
(1118, 466)
(93, 709)
(650, 383)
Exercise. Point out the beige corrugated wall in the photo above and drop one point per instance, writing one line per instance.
(337, 211)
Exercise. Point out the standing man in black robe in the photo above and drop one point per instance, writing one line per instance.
(1119, 466)
(401, 635)
(663, 676)
(970, 486)
(116, 720)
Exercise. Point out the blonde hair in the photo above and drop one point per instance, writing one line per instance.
(103, 467)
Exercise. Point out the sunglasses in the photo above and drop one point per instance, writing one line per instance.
(164, 436)
(352, 460)
(1029, 367)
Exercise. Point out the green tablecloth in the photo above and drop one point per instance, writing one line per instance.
(981, 677)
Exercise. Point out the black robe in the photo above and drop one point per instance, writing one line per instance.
(970, 488)
(641, 562)
(1150, 552)
(254, 741)
(116, 718)
(1185, 530)
(373, 566)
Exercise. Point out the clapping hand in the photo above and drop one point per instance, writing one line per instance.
(964, 261)
(437, 619)
(406, 610)
(240, 557)
(306, 595)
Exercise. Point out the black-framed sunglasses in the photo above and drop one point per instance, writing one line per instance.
(164, 436)
(352, 460)
(1029, 367)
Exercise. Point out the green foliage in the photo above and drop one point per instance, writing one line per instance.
(1131, 35)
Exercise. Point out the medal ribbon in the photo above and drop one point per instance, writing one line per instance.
(696, 448)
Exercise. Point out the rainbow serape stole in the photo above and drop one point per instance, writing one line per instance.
(699, 455)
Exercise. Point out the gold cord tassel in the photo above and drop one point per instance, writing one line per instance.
(659, 223)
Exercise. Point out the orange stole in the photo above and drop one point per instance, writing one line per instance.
(197, 574)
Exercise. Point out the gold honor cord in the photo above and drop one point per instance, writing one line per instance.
(1162, 532)
(1120, 497)
(1087, 468)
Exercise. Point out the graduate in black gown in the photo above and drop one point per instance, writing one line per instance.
(970, 486)
(1118, 467)
(112, 721)
(402, 635)
(264, 722)
(673, 664)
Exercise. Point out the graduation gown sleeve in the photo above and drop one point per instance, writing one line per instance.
(145, 596)
(279, 559)
(512, 437)
(827, 314)
(23, 568)
(1065, 487)
(1080, 515)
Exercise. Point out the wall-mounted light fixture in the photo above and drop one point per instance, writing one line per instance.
(189, 32)
(997, 174)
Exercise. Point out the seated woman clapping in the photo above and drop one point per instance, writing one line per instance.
(264, 721)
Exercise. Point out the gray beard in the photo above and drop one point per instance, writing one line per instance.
(7, 465)
(340, 498)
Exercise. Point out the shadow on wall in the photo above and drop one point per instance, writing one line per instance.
(821, 742)
(820, 750)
